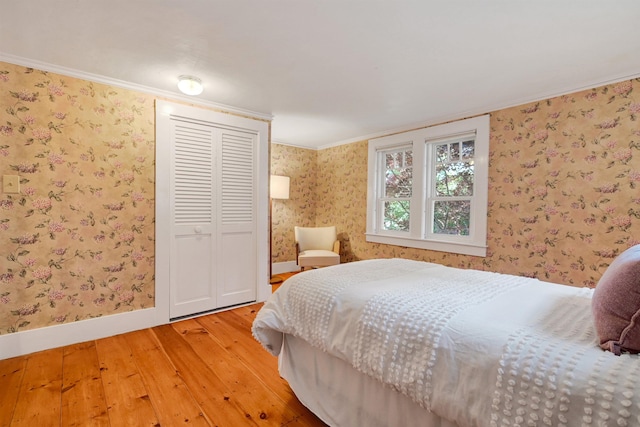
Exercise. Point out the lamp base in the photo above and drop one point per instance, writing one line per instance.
(275, 279)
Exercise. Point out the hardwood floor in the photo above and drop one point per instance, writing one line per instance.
(282, 277)
(206, 371)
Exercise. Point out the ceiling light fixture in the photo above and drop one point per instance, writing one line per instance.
(190, 85)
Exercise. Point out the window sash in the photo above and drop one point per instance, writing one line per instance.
(421, 233)
(383, 198)
(433, 196)
(388, 219)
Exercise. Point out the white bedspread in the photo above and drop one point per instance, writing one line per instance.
(477, 348)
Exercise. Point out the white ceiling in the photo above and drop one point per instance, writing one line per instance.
(334, 71)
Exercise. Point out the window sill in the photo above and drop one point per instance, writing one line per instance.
(434, 245)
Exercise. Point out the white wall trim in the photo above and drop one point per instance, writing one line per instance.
(488, 108)
(163, 241)
(275, 141)
(30, 341)
(284, 267)
(491, 107)
(70, 72)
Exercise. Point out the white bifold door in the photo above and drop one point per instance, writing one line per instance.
(212, 212)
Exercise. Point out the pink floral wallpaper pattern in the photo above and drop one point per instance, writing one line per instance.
(300, 165)
(77, 241)
(564, 195)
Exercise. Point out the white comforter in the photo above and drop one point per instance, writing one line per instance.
(477, 348)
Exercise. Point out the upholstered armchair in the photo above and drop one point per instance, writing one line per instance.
(317, 246)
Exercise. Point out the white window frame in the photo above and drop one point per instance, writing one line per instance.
(421, 233)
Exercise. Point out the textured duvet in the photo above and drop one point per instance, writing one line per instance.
(476, 348)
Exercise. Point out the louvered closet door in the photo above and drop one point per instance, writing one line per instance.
(193, 246)
(236, 218)
(214, 218)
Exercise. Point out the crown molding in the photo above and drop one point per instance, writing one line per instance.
(487, 109)
(275, 141)
(96, 78)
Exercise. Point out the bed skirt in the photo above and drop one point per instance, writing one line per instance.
(343, 397)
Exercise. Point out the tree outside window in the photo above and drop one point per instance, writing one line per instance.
(428, 188)
(454, 177)
(398, 187)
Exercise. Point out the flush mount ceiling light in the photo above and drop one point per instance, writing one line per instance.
(190, 85)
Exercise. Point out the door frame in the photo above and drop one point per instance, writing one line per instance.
(164, 111)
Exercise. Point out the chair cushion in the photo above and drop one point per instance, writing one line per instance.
(317, 258)
(315, 237)
(616, 304)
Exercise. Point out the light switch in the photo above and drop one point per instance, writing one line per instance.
(10, 184)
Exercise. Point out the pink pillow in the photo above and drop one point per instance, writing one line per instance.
(616, 304)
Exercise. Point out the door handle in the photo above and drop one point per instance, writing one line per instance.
(198, 230)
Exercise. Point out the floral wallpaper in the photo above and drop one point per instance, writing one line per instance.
(77, 241)
(564, 181)
(300, 165)
(342, 199)
(564, 184)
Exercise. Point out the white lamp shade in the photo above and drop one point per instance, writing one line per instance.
(279, 187)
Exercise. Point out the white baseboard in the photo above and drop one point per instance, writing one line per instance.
(33, 340)
(30, 341)
(284, 267)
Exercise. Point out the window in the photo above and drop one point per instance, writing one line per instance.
(428, 188)
(395, 203)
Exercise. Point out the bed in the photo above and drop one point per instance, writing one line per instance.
(396, 342)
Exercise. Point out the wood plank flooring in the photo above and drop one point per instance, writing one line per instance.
(282, 277)
(206, 371)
